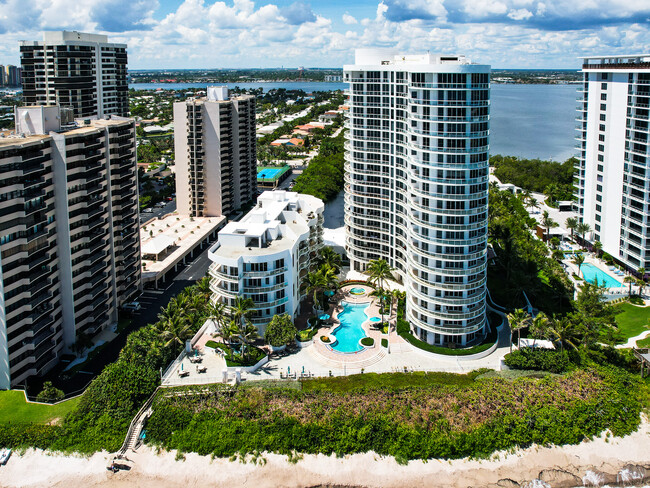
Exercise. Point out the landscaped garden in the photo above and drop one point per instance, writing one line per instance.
(14, 409)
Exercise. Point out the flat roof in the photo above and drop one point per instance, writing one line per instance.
(182, 231)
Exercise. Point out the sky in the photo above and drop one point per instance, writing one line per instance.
(324, 33)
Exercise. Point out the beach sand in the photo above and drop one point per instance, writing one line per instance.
(599, 461)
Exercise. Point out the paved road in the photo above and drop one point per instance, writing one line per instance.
(158, 212)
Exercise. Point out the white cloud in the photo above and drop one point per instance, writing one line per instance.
(520, 14)
(349, 19)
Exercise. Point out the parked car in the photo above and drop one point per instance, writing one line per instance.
(147, 210)
(131, 307)
(160, 204)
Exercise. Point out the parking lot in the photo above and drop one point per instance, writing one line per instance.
(158, 211)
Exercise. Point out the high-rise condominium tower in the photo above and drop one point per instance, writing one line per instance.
(416, 190)
(70, 245)
(614, 142)
(78, 70)
(215, 149)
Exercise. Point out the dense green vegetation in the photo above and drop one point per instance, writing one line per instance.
(100, 418)
(522, 262)
(539, 359)
(553, 179)
(444, 418)
(323, 178)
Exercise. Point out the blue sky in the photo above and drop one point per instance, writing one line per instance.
(291, 33)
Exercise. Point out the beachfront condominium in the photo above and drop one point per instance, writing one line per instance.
(613, 140)
(78, 70)
(215, 149)
(416, 190)
(70, 244)
(267, 254)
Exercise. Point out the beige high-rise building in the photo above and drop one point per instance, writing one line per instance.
(215, 150)
(70, 245)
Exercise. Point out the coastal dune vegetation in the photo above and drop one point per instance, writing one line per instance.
(419, 417)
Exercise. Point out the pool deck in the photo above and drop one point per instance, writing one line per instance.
(597, 263)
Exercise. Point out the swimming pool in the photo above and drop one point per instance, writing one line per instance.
(591, 273)
(350, 332)
(358, 291)
(268, 173)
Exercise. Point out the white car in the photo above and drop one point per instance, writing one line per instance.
(131, 306)
(147, 210)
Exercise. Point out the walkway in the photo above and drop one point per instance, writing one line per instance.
(631, 342)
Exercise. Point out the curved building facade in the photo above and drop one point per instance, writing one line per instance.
(416, 190)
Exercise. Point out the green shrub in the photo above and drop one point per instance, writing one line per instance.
(636, 300)
(306, 335)
(367, 341)
(539, 359)
(280, 331)
(49, 394)
(384, 343)
(325, 339)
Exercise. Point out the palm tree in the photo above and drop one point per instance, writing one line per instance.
(175, 329)
(327, 256)
(380, 271)
(203, 287)
(313, 283)
(247, 334)
(578, 260)
(629, 279)
(571, 223)
(241, 309)
(582, 228)
(564, 331)
(519, 319)
(539, 327)
(229, 331)
(547, 223)
(641, 284)
(597, 247)
(533, 203)
(641, 273)
(217, 313)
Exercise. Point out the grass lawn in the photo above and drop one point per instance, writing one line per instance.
(14, 408)
(632, 320)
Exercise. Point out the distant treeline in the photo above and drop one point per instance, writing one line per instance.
(549, 177)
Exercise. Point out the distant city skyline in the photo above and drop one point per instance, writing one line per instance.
(205, 34)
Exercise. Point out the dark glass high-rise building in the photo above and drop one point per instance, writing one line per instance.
(78, 70)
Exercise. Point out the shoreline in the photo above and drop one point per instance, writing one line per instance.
(604, 460)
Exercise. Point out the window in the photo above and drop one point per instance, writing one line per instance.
(599, 187)
(602, 117)
(601, 158)
(603, 106)
(601, 127)
(603, 86)
(600, 167)
(603, 96)
(601, 147)
(601, 137)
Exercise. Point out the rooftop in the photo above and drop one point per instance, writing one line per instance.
(171, 238)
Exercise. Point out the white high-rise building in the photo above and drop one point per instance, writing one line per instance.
(215, 148)
(266, 255)
(416, 191)
(613, 142)
(77, 70)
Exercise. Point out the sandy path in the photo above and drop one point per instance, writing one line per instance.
(39, 469)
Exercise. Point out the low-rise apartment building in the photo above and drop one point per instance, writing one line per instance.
(266, 255)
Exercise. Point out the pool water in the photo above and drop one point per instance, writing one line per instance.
(268, 174)
(350, 332)
(375, 319)
(591, 273)
(358, 291)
